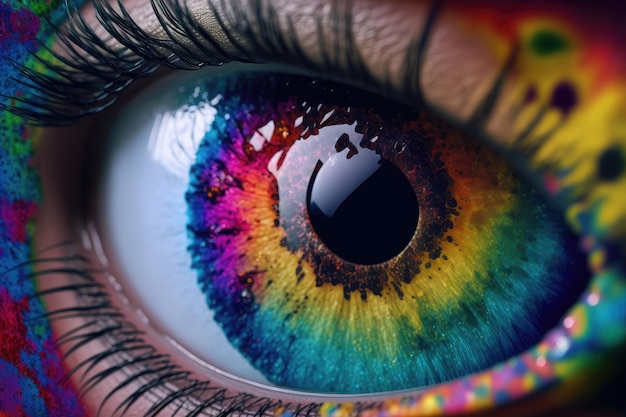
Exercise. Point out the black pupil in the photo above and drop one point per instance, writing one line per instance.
(363, 209)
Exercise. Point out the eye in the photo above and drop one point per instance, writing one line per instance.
(281, 181)
(528, 84)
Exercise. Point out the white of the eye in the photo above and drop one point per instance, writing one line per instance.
(151, 147)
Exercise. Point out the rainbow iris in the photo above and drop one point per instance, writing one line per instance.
(488, 270)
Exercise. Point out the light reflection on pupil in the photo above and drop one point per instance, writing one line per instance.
(362, 206)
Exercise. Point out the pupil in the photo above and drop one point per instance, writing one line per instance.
(362, 207)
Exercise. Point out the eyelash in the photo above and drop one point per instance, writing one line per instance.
(127, 352)
(74, 86)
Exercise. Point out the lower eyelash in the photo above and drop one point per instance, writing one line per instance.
(165, 384)
(88, 74)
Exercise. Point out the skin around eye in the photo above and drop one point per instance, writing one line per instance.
(565, 123)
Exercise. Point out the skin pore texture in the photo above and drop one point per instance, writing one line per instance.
(559, 109)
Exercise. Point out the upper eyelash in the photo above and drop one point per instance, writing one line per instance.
(88, 75)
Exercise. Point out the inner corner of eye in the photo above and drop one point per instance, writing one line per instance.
(304, 234)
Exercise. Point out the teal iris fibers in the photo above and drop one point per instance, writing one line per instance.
(271, 283)
(518, 304)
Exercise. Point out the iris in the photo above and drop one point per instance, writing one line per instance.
(289, 184)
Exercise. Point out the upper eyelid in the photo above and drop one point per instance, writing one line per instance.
(378, 49)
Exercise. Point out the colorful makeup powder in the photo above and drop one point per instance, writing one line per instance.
(30, 367)
(488, 270)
